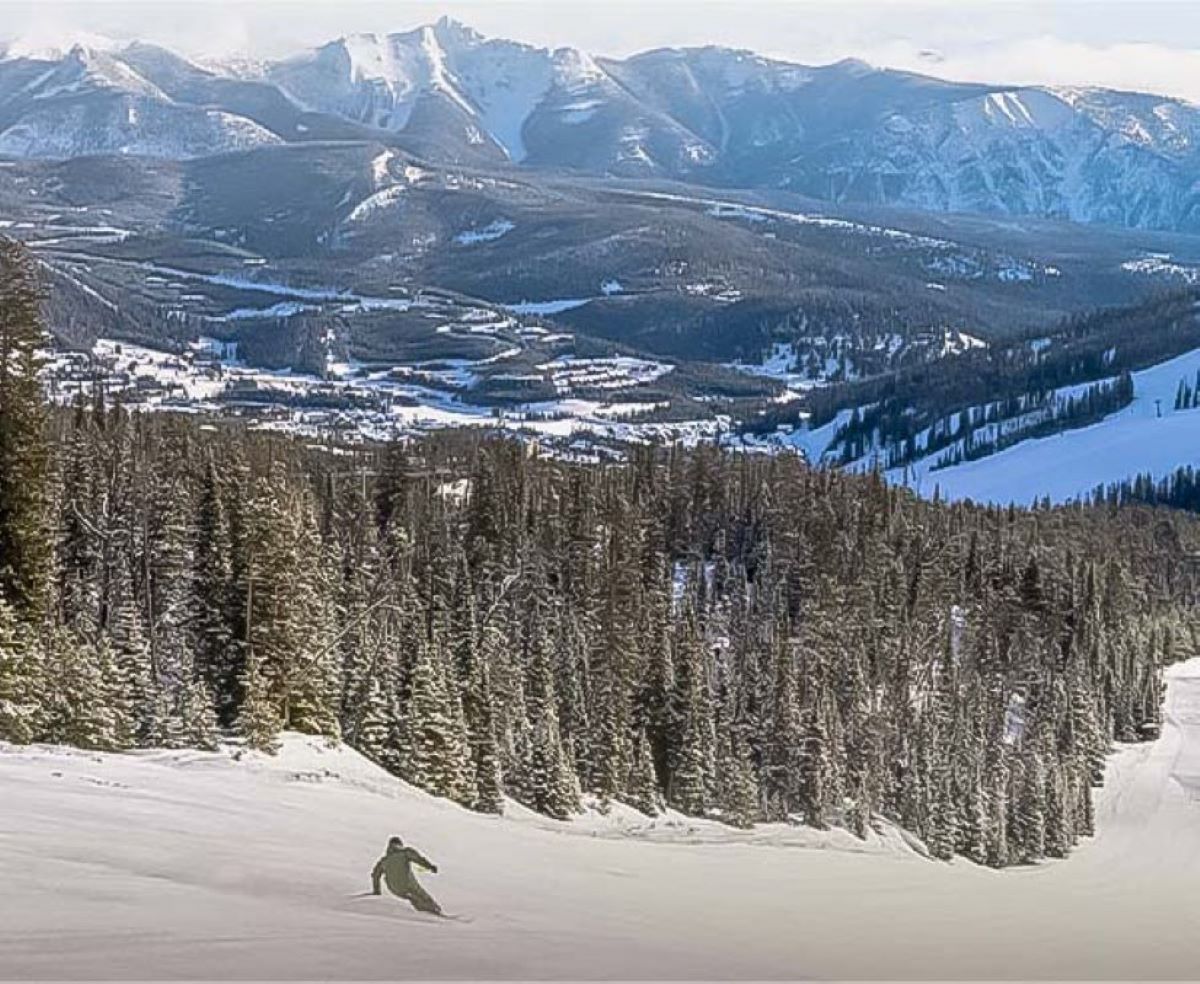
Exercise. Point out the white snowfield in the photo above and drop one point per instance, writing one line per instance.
(194, 865)
(1147, 437)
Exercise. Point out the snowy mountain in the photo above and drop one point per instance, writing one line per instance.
(1018, 152)
(92, 101)
(447, 85)
(845, 132)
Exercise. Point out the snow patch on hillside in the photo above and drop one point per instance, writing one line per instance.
(485, 234)
(557, 306)
(1148, 436)
(1161, 266)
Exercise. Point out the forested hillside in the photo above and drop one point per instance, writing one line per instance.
(992, 397)
(738, 636)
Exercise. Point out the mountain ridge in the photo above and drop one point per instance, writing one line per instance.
(846, 132)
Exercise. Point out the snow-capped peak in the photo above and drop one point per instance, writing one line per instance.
(379, 79)
(53, 47)
(439, 76)
(104, 69)
(853, 66)
(575, 69)
(845, 130)
(83, 68)
(452, 33)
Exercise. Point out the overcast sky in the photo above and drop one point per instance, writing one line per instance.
(1152, 45)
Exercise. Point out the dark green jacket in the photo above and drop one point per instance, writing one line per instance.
(396, 869)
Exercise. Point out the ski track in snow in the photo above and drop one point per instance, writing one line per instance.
(191, 865)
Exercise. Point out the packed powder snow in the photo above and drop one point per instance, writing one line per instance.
(214, 865)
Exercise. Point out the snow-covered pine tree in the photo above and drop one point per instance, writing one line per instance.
(1027, 820)
(642, 788)
(692, 755)
(434, 753)
(139, 688)
(199, 726)
(88, 710)
(480, 715)
(79, 550)
(25, 541)
(163, 542)
(548, 785)
(313, 675)
(23, 694)
(259, 719)
(377, 722)
(216, 655)
(782, 741)
(737, 785)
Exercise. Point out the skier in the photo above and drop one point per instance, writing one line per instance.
(395, 868)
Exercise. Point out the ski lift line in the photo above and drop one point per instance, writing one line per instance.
(353, 623)
(927, 670)
(505, 586)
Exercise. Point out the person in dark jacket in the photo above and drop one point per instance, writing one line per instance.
(396, 869)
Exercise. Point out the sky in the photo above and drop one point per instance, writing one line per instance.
(1150, 45)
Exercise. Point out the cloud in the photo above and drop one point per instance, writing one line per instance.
(1140, 67)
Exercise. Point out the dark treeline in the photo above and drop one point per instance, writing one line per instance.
(978, 431)
(735, 636)
(1179, 490)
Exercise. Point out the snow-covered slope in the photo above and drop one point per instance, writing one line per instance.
(196, 865)
(91, 102)
(1147, 437)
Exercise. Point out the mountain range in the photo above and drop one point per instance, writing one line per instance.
(846, 133)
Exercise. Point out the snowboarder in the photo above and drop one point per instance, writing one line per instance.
(395, 868)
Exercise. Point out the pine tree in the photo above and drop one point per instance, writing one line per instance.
(259, 719)
(434, 752)
(139, 690)
(313, 682)
(88, 711)
(474, 655)
(738, 795)
(692, 771)
(1027, 826)
(198, 716)
(25, 542)
(815, 777)
(22, 681)
(216, 654)
(642, 790)
(479, 713)
(783, 741)
(548, 787)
